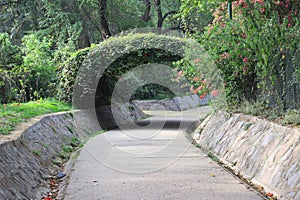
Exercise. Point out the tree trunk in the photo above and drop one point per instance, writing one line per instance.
(84, 37)
(160, 17)
(159, 14)
(105, 32)
(146, 17)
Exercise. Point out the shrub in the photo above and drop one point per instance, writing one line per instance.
(67, 73)
(152, 91)
(10, 57)
(128, 60)
(37, 74)
(124, 53)
(250, 49)
(291, 117)
(28, 72)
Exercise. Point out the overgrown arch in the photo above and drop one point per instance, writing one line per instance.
(110, 60)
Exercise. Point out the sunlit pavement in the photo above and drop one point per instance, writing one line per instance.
(152, 160)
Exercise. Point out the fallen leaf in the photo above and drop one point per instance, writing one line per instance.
(53, 184)
(47, 198)
(270, 194)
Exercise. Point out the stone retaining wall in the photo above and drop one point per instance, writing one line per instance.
(265, 153)
(26, 158)
(175, 104)
(23, 173)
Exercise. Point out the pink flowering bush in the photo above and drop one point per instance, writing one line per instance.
(198, 83)
(250, 48)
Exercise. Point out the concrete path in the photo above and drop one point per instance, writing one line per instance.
(152, 161)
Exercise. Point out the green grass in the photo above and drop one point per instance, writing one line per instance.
(15, 113)
(36, 152)
(67, 149)
(291, 117)
(72, 150)
(286, 118)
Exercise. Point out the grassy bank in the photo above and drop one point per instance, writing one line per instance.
(15, 113)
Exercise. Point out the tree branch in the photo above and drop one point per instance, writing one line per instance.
(146, 17)
(159, 13)
(103, 21)
(172, 12)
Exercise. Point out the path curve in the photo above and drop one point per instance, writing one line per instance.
(152, 163)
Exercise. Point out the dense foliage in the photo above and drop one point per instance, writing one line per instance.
(252, 49)
(39, 37)
(134, 50)
(10, 56)
(67, 74)
(43, 43)
(81, 23)
(27, 72)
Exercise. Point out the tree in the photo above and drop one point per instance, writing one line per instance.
(195, 15)
(10, 56)
(18, 17)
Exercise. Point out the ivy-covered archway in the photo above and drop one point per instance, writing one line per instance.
(109, 63)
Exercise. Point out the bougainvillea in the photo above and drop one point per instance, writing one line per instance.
(250, 48)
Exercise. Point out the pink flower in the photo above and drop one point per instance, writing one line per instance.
(244, 35)
(192, 89)
(198, 89)
(245, 5)
(245, 60)
(260, 1)
(119, 77)
(180, 73)
(276, 2)
(196, 78)
(224, 55)
(196, 60)
(214, 93)
(222, 24)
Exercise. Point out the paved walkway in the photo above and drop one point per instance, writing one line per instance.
(151, 161)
